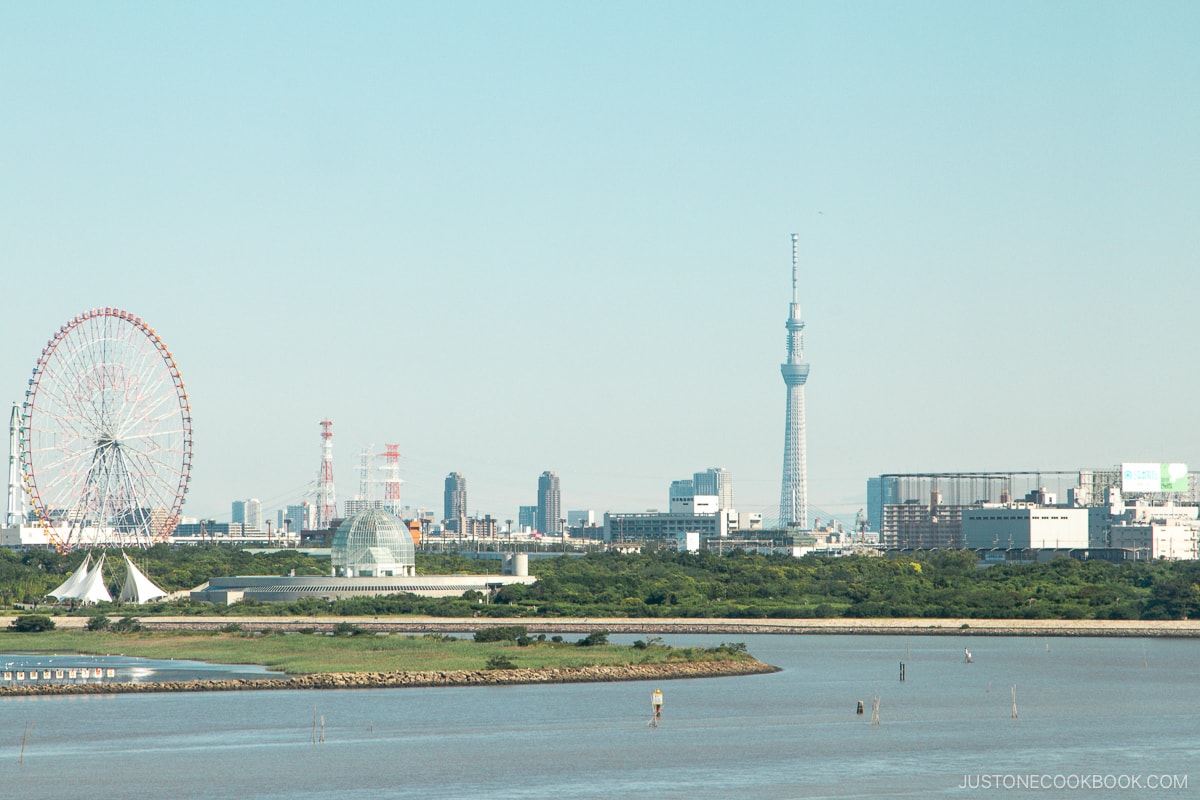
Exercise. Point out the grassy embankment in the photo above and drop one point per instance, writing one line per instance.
(301, 654)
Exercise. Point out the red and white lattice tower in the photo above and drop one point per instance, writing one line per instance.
(391, 478)
(326, 497)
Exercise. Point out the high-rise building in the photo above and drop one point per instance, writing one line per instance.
(526, 518)
(793, 497)
(715, 481)
(549, 507)
(248, 513)
(881, 491)
(299, 518)
(455, 499)
(580, 518)
(681, 494)
(254, 517)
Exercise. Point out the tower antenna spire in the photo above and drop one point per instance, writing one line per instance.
(795, 276)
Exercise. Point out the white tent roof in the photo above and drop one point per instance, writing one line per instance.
(68, 588)
(138, 588)
(93, 589)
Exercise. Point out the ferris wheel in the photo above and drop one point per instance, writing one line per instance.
(106, 434)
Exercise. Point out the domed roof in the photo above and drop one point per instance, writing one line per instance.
(372, 538)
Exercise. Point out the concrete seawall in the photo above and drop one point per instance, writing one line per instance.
(396, 680)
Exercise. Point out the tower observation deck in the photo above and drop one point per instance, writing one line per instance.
(793, 498)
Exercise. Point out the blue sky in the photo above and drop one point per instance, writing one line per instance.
(523, 236)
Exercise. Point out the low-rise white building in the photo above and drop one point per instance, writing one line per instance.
(21, 536)
(1167, 540)
(1036, 527)
(638, 529)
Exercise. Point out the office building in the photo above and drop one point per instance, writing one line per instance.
(715, 481)
(455, 497)
(549, 506)
(298, 517)
(526, 518)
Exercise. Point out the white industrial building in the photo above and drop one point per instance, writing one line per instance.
(1168, 540)
(1025, 527)
(625, 529)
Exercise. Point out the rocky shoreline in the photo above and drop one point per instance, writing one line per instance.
(396, 680)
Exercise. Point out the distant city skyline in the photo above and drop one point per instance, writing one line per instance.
(511, 236)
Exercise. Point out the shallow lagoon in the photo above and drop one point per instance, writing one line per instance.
(1119, 707)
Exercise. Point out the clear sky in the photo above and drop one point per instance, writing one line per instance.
(514, 237)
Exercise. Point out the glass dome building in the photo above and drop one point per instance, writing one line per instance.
(373, 543)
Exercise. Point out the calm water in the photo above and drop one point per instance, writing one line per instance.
(1114, 708)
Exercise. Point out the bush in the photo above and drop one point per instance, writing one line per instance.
(594, 638)
(499, 662)
(127, 625)
(347, 629)
(502, 633)
(98, 623)
(31, 623)
(233, 627)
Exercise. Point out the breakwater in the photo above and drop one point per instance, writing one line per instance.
(397, 680)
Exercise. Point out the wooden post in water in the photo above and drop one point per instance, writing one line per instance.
(902, 672)
(1014, 701)
(24, 739)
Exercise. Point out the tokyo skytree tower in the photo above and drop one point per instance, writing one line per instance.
(793, 498)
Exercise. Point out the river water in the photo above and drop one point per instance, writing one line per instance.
(1115, 717)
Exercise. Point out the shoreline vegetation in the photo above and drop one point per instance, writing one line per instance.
(945, 584)
(908, 626)
(350, 656)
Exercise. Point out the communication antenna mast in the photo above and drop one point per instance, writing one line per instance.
(391, 478)
(364, 474)
(326, 497)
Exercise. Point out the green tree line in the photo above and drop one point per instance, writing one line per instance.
(670, 584)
